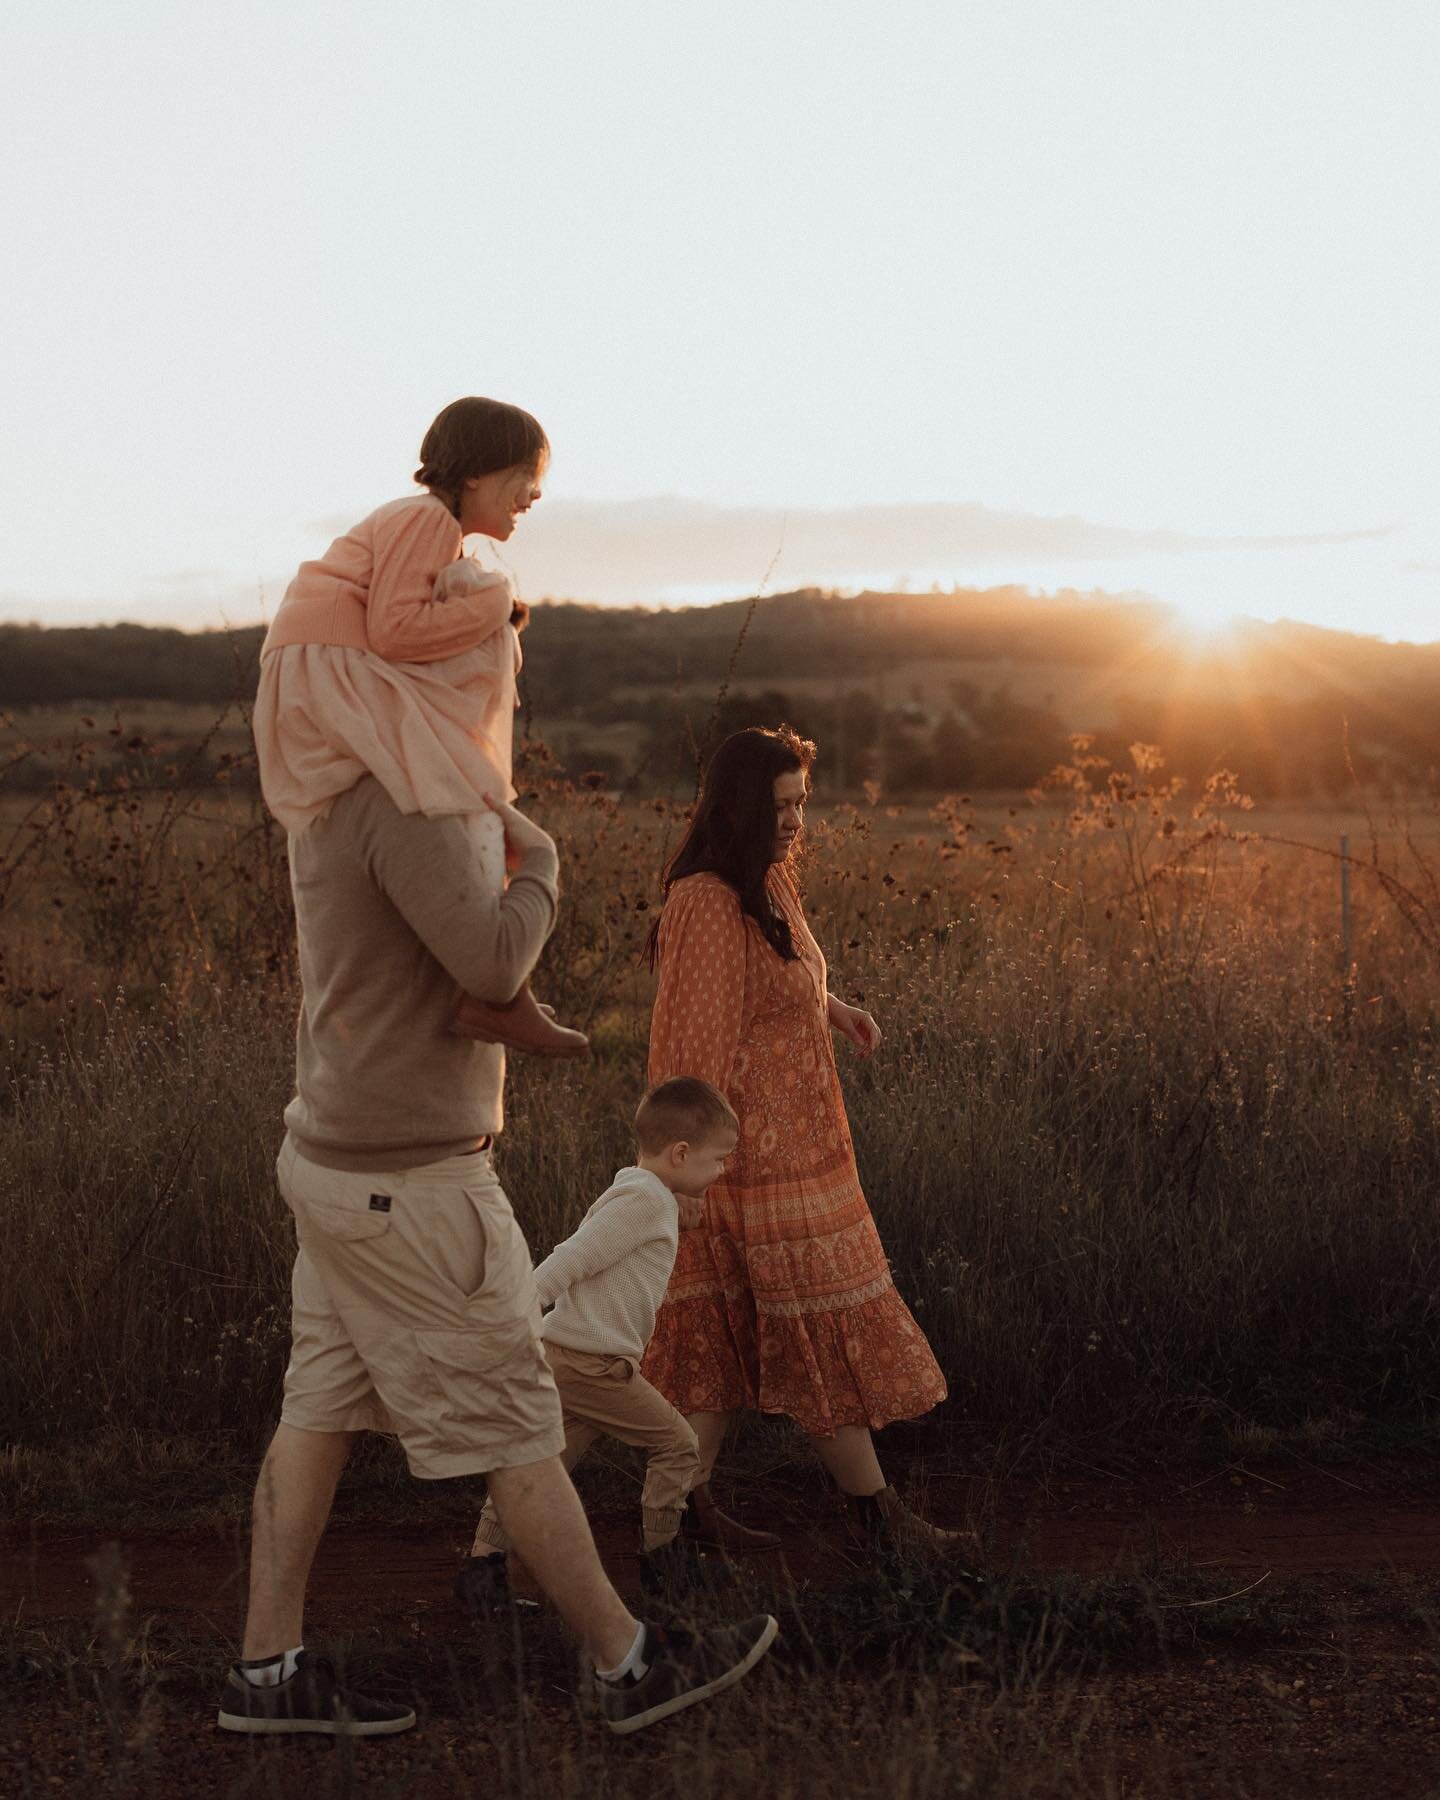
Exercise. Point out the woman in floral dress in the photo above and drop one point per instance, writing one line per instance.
(783, 1299)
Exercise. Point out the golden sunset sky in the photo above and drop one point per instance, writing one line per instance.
(1138, 294)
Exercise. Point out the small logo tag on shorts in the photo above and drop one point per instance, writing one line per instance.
(379, 1203)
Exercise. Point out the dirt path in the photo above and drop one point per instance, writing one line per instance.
(1347, 1701)
(1369, 1519)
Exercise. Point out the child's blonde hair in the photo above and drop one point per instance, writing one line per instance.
(475, 436)
(684, 1109)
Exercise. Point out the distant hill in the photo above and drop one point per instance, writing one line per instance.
(975, 688)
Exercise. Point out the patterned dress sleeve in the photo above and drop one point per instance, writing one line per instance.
(700, 1006)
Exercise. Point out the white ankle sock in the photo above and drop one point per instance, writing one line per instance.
(634, 1663)
(270, 1671)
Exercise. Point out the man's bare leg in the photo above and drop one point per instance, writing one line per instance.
(293, 1498)
(545, 1522)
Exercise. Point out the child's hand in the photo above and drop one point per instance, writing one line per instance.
(692, 1211)
(466, 576)
(855, 1026)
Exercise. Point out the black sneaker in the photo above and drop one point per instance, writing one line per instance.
(678, 1568)
(311, 1700)
(482, 1586)
(683, 1667)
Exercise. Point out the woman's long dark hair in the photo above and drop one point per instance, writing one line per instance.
(732, 830)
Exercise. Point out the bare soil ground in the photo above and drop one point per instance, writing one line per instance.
(1332, 1684)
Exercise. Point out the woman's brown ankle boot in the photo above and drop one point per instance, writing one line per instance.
(883, 1521)
(522, 1025)
(706, 1524)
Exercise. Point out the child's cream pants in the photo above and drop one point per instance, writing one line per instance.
(606, 1396)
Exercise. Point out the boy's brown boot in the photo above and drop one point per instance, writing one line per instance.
(704, 1523)
(522, 1025)
(884, 1522)
(482, 1586)
(679, 1569)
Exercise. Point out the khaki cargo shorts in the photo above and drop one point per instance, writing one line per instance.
(414, 1311)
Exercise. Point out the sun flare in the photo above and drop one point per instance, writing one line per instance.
(1205, 629)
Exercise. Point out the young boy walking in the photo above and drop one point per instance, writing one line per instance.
(603, 1286)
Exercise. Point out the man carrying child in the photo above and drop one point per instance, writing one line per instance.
(414, 1302)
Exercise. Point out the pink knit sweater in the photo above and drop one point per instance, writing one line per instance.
(373, 589)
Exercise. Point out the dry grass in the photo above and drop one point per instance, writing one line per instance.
(1150, 1163)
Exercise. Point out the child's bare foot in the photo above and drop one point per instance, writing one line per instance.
(522, 1025)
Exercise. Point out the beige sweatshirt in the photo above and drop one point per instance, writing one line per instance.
(609, 1276)
(395, 921)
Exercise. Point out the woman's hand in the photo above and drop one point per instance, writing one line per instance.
(855, 1026)
(692, 1211)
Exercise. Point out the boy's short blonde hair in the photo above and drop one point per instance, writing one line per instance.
(684, 1109)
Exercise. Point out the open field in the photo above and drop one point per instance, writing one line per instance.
(1155, 1161)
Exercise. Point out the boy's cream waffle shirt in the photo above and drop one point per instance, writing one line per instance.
(607, 1279)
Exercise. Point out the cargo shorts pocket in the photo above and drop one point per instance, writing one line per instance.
(348, 1213)
(494, 1373)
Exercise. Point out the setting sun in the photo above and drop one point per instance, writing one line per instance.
(1205, 631)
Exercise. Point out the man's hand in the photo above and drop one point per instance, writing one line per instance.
(692, 1211)
(855, 1026)
(522, 835)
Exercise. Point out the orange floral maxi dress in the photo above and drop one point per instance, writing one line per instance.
(782, 1299)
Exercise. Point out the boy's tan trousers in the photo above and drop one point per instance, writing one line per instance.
(607, 1396)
